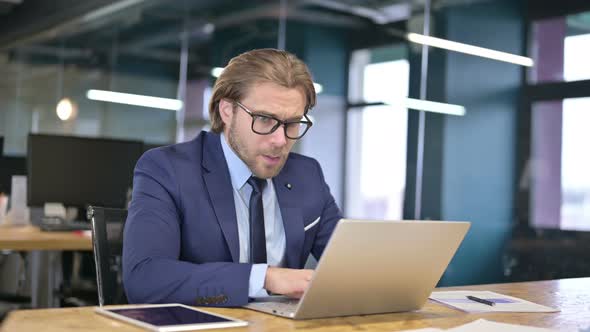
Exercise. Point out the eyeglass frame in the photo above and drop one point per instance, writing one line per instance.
(279, 122)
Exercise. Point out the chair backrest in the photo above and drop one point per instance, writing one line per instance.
(107, 242)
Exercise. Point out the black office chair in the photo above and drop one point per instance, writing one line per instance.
(11, 299)
(107, 242)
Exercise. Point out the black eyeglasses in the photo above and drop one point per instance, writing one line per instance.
(267, 124)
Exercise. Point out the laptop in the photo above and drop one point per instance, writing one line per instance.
(371, 267)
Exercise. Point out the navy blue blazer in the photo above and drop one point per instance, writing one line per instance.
(181, 235)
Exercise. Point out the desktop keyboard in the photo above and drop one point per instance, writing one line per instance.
(59, 225)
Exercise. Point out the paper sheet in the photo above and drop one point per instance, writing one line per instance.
(503, 303)
(483, 325)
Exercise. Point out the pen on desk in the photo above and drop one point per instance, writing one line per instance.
(483, 301)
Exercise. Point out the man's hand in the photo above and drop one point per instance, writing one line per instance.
(289, 282)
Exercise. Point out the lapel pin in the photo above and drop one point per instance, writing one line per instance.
(289, 186)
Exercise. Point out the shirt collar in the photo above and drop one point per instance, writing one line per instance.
(238, 171)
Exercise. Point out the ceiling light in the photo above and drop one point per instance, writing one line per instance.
(133, 99)
(216, 72)
(208, 28)
(318, 88)
(66, 109)
(469, 49)
(428, 106)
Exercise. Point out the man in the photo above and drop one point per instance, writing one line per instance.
(232, 214)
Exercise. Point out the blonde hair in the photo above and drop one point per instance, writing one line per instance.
(259, 66)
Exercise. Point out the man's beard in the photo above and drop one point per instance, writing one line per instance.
(243, 152)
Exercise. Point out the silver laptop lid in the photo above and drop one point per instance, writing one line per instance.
(373, 267)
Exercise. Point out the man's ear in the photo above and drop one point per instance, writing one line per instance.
(226, 110)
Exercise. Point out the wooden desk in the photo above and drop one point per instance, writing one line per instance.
(29, 238)
(569, 295)
(44, 256)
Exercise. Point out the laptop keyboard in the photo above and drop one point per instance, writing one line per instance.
(280, 305)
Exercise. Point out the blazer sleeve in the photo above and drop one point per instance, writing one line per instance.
(152, 270)
(329, 217)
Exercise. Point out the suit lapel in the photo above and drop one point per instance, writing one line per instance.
(219, 187)
(292, 218)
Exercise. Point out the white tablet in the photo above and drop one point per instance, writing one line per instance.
(169, 317)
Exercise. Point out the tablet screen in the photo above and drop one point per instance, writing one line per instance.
(171, 315)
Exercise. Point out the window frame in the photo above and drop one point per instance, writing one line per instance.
(535, 92)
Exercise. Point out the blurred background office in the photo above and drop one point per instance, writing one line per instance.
(501, 144)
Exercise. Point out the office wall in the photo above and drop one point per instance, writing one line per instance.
(469, 163)
(15, 124)
(324, 141)
(487, 135)
(326, 54)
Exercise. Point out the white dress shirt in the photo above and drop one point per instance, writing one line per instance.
(273, 220)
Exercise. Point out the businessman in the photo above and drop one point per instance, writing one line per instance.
(233, 214)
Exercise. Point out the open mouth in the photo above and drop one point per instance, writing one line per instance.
(271, 159)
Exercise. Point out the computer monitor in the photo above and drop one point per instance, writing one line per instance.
(77, 171)
(10, 166)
